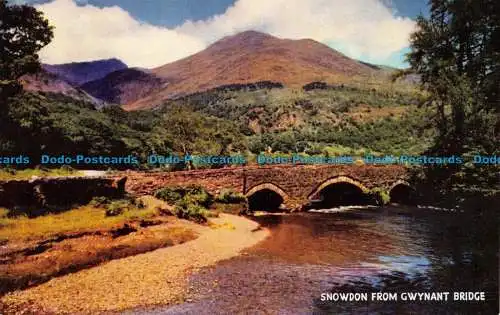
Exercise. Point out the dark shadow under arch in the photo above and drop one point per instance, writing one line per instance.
(340, 194)
(265, 200)
(335, 180)
(402, 193)
(266, 197)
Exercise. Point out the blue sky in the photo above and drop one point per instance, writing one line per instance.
(175, 12)
(370, 30)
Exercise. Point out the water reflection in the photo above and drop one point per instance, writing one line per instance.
(364, 250)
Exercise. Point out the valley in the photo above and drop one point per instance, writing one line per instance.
(251, 159)
(248, 93)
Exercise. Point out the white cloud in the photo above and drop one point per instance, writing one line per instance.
(362, 27)
(365, 28)
(87, 32)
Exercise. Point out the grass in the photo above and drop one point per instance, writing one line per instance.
(50, 257)
(229, 196)
(11, 174)
(231, 208)
(85, 218)
(225, 225)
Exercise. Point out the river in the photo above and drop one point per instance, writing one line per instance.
(393, 249)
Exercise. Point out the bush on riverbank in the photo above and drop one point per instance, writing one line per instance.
(191, 202)
(380, 196)
(187, 209)
(119, 206)
(174, 194)
(229, 196)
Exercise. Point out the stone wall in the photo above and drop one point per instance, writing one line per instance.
(141, 183)
(57, 192)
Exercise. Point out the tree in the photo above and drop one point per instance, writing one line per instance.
(456, 52)
(23, 32)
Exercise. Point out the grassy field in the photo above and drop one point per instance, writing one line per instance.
(34, 250)
(82, 219)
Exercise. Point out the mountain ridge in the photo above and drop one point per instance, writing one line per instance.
(78, 73)
(244, 58)
(46, 82)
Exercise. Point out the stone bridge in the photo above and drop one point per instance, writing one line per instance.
(297, 185)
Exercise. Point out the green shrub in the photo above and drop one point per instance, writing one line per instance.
(230, 196)
(196, 194)
(139, 203)
(200, 196)
(117, 207)
(100, 201)
(169, 194)
(380, 195)
(185, 209)
(190, 202)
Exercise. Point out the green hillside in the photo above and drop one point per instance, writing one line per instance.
(36, 124)
(336, 121)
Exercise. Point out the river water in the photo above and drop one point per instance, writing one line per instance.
(368, 250)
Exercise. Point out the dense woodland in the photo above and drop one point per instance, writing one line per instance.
(456, 53)
(245, 122)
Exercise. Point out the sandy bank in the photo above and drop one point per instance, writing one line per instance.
(154, 278)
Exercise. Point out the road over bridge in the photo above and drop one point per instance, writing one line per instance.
(296, 185)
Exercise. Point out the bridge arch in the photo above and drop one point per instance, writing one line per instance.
(401, 192)
(268, 186)
(400, 182)
(266, 196)
(337, 180)
(338, 191)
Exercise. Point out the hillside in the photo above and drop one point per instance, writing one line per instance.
(78, 73)
(243, 58)
(246, 93)
(55, 124)
(124, 86)
(336, 119)
(46, 82)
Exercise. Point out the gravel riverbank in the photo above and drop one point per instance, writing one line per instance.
(154, 278)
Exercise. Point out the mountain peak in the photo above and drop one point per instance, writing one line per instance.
(250, 57)
(252, 34)
(244, 40)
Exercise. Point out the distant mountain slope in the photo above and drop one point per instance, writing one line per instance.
(78, 73)
(47, 82)
(251, 57)
(124, 86)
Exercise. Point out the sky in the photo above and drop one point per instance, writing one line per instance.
(150, 33)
